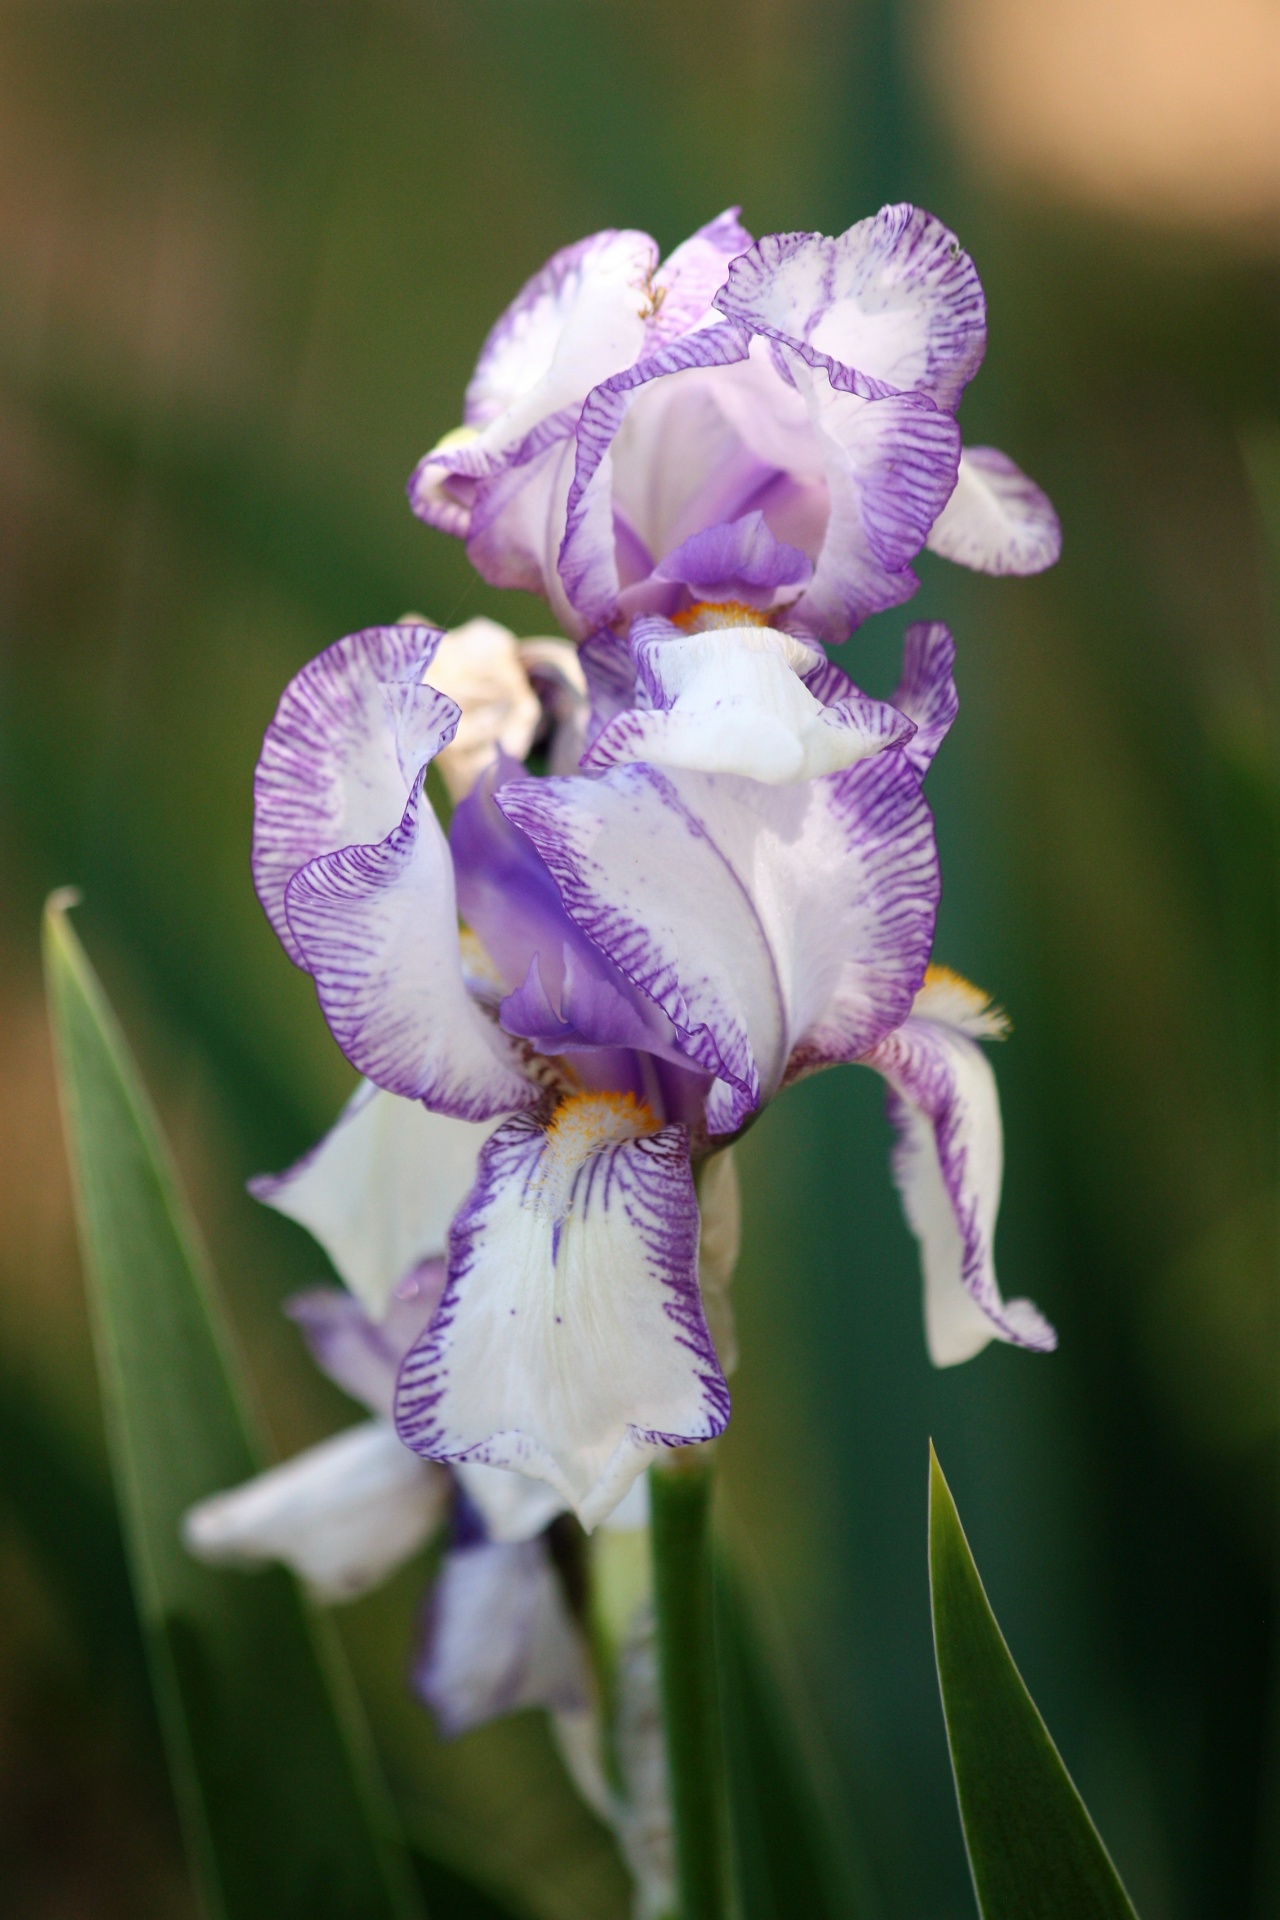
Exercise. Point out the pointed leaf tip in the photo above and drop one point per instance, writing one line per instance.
(1034, 1852)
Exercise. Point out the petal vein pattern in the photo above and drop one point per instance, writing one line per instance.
(377, 927)
(570, 1342)
(330, 772)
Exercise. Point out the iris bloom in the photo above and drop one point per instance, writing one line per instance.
(737, 890)
(770, 422)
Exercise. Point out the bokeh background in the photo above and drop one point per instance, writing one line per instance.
(247, 253)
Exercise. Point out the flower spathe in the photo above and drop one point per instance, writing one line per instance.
(767, 421)
(653, 947)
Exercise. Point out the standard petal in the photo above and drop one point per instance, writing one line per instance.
(498, 1637)
(926, 690)
(688, 280)
(377, 927)
(948, 1165)
(378, 1192)
(894, 304)
(479, 667)
(733, 701)
(330, 772)
(343, 1515)
(996, 520)
(570, 1342)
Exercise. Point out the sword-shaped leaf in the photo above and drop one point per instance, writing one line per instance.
(280, 1800)
(1034, 1852)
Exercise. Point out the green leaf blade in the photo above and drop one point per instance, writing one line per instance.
(1034, 1852)
(280, 1799)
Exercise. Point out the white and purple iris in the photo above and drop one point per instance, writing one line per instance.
(569, 1004)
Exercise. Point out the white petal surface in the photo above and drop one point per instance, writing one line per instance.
(570, 1342)
(479, 667)
(948, 1165)
(377, 927)
(343, 1515)
(378, 1192)
(997, 520)
(499, 1637)
(512, 1506)
(330, 772)
(733, 701)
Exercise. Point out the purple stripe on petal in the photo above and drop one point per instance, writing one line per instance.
(997, 520)
(361, 1355)
(926, 691)
(329, 774)
(570, 1342)
(377, 928)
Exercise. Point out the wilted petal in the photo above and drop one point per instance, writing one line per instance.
(996, 520)
(343, 1515)
(892, 304)
(378, 1192)
(479, 667)
(330, 773)
(570, 1342)
(377, 927)
(498, 1637)
(948, 1164)
(733, 701)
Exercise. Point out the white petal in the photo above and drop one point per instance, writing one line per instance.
(378, 1192)
(479, 666)
(512, 1506)
(499, 1637)
(570, 1342)
(343, 1515)
(996, 520)
(948, 1165)
(733, 701)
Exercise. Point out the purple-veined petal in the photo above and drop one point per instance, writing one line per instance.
(948, 1164)
(498, 1636)
(570, 1342)
(611, 679)
(996, 520)
(926, 691)
(894, 304)
(689, 279)
(517, 525)
(343, 1515)
(641, 875)
(733, 700)
(557, 677)
(330, 773)
(588, 561)
(359, 1354)
(377, 928)
(378, 1192)
(889, 467)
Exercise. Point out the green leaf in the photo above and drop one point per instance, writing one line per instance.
(282, 1808)
(1034, 1852)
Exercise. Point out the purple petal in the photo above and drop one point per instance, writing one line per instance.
(570, 1342)
(740, 561)
(330, 773)
(498, 1637)
(377, 928)
(926, 691)
(894, 304)
(360, 1355)
(997, 520)
(689, 279)
(947, 1166)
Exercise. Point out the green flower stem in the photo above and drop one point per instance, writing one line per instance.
(680, 1525)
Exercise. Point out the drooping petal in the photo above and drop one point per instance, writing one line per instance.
(479, 667)
(378, 1192)
(359, 1354)
(948, 1165)
(377, 928)
(996, 520)
(330, 774)
(498, 1636)
(343, 1515)
(570, 1342)
(894, 304)
(733, 700)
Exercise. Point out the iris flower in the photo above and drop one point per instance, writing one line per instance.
(770, 422)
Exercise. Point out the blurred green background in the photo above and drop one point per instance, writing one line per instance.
(248, 251)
